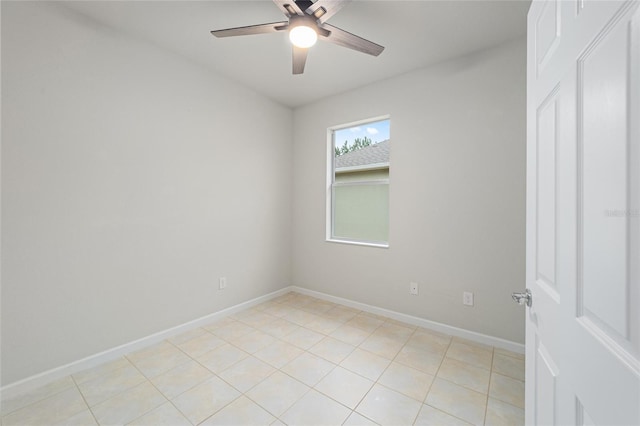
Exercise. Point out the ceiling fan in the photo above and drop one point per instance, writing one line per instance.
(306, 21)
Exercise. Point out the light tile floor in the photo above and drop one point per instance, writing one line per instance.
(295, 360)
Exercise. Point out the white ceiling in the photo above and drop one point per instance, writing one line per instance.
(415, 34)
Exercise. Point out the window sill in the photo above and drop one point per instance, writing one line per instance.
(358, 243)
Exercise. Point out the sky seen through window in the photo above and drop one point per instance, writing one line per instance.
(377, 131)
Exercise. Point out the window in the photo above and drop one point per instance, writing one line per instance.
(358, 183)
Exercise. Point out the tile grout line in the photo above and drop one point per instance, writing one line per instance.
(486, 404)
(170, 400)
(84, 399)
(422, 403)
(37, 400)
(212, 372)
(435, 376)
(266, 378)
(333, 369)
(148, 380)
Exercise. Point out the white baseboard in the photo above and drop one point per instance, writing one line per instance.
(421, 322)
(46, 377)
(38, 380)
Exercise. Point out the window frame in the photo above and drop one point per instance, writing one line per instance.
(331, 184)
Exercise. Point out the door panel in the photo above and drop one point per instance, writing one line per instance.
(547, 32)
(603, 179)
(583, 418)
(546, 194)
(546, 373)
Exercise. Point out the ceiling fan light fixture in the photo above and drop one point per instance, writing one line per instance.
(302, 32)
(303, 36)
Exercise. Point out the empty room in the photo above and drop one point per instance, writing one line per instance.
(327, 212)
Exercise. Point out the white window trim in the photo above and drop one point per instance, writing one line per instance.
(350, 169)
(329, 185)
(362, 182)
(357, 243)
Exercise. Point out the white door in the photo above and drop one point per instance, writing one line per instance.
(583, 214)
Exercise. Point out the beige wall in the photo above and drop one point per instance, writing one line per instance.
(118, 214)
(456, 194)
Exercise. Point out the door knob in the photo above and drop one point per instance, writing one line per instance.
(523, 298)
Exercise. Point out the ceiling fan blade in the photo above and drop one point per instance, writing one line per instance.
(325, 9)
(352, 41)
(299, 59)
(289, 8)
(252, 29)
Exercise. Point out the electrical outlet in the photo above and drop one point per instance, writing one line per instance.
(413, 289)
(222, 283)
(467, 298)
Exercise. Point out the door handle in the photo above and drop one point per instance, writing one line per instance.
(523, 298)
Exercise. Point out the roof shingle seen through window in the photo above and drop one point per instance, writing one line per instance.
(372, 154)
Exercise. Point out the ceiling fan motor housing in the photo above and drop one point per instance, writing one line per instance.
(303, 4)
(303, 21)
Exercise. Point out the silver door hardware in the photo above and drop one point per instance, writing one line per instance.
(523, 298)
